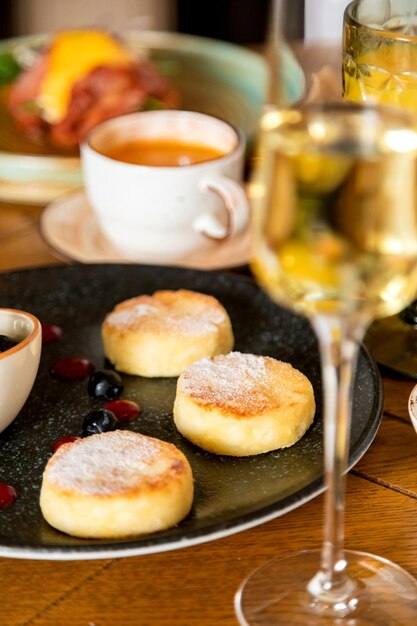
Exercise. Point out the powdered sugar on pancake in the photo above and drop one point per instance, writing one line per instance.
(244, 384)
(113, 462)
(233, 381)
(181, 311)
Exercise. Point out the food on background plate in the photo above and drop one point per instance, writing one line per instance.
(116, 484)
(161, 334)
(243, 404)
(80, 79)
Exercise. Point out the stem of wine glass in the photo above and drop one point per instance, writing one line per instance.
(332, 590)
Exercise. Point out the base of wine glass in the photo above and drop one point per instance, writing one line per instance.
(392, 342)
(277, 594)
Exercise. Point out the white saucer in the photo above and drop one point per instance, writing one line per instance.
(69, 227)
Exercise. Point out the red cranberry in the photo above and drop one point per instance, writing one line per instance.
(66, 439)
(72, 368)
(8, 495)
(124, 410)
(50, 332)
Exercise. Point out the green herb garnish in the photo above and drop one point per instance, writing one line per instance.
(9, 68)
(30, 106)
(153, 104)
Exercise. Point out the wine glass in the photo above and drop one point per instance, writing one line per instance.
(304, 51)
(380, 65)
(335, 238)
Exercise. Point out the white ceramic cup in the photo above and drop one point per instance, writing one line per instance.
(166, 213)
(18, 365)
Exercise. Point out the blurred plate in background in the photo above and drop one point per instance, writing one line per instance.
(213, 77)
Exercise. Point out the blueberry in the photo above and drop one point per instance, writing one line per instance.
(6, 343)
(105, 384)
(98, 421)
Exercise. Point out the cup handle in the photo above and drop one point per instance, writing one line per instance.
(235, 202)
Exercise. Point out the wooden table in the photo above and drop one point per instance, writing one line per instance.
(196, 585)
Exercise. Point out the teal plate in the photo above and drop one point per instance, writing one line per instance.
(213, 77)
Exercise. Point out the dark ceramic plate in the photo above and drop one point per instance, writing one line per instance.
(232, 494)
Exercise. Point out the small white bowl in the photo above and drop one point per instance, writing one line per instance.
(18, 365)
(412, 407)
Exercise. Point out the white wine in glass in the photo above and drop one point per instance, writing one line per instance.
(380, 66)
(335, 238)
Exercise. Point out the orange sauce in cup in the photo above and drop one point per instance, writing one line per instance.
(161, 152)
